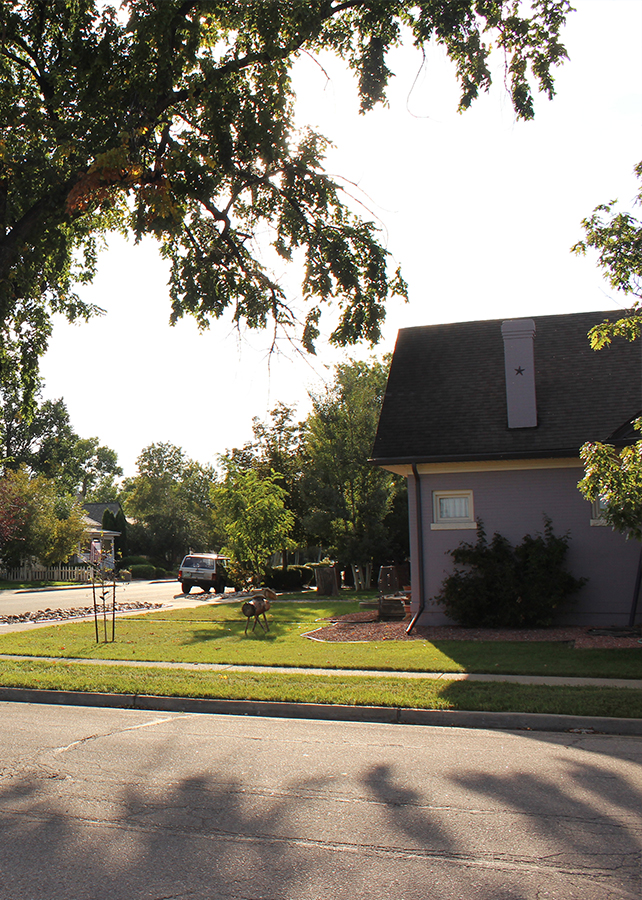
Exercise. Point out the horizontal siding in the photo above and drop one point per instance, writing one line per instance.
(514, 504)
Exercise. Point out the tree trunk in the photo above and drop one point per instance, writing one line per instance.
(327, 583)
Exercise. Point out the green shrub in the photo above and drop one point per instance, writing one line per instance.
(497, 585)
(294, 578)
(143, 570)
(128, 561)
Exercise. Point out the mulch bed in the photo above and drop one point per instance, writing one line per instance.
(366, 626)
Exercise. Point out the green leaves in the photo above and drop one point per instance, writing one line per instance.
(251, 508)
(612, 474)
(45, 444)
(615, 476)
(169, 498)
(37, 520)
(176, 119)
(496, 585)
(617, 237)
(349, 498)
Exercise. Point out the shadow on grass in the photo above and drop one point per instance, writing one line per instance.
(568, 700)
(232, 631)
(541, 658)
(233, 623)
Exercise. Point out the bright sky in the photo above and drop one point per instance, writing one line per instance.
(479, 210)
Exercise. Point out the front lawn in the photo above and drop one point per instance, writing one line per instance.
(355, 690)
(214, 634)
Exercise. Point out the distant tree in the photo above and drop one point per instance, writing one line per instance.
(13, 512)
(45, 443)
(98, 469)
(176, 119)
(275, 452)
(109, 520)
(47, 525)
(170, 498)
(350, 501)
(118, 523)
(121, 526)
(256, 523)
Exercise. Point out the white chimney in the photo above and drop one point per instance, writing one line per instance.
(519, 366)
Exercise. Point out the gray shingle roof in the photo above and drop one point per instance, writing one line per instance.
(95, 511)
(446, 397)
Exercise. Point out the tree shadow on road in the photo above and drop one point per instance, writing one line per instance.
(222, 832)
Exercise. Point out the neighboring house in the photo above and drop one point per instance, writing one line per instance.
(96, 511)
(486, 419)
(94, 531)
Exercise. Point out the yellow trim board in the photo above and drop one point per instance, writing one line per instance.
(487, 465)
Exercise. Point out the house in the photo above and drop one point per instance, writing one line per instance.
(94, 512)
(486, 419)
(95, 534)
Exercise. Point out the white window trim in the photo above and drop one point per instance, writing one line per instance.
(439, 524)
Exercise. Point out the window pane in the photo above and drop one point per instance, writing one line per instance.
(453, 508)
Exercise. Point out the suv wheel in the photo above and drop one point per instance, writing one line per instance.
(187, 587)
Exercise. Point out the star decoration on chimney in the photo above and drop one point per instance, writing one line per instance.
(519, 371)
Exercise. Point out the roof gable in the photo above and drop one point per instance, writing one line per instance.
(446, 392)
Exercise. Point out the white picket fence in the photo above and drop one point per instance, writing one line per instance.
(40, 573)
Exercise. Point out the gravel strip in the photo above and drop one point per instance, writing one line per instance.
(55, 615)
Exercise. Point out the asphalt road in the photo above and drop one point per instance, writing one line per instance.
(99, 804)
(14, 602)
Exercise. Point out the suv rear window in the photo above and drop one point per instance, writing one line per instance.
(198, 562)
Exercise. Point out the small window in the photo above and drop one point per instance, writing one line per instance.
(452, 509)
(597, 511)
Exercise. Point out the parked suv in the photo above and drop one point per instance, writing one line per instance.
(204, 570)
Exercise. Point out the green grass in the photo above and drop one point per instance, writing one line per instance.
(34, 585)
(355, 690)
(214, 634)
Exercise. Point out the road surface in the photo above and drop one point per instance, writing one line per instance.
(169, 592)
(99, 804)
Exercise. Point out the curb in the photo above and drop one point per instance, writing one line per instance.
(376, 714)
(76, 586)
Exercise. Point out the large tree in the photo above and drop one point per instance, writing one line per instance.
(616, 235)
(174, 118)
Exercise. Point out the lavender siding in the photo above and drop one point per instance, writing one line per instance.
(514, 503)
